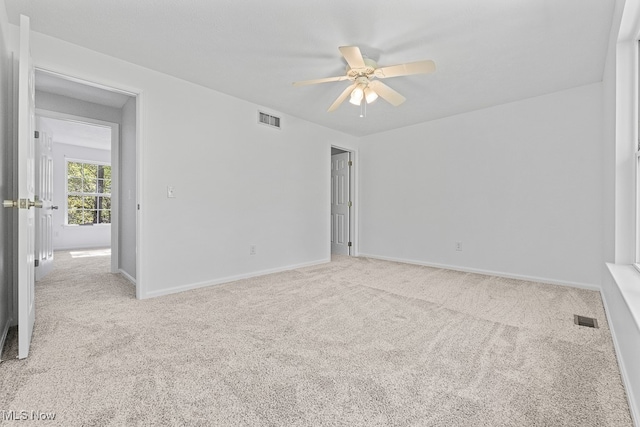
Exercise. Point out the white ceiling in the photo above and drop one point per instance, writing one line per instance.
(77, 133)
(487, 52)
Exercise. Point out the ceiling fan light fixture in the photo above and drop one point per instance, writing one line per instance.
(362, 71)
(370, 95)
(356, 96)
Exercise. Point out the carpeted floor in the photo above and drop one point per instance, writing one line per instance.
(356, 342)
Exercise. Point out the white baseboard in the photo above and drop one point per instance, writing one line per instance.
(626, 380)
(127, 276)
(620, 299)
(486, 272)
(228, 279)
(80, 248)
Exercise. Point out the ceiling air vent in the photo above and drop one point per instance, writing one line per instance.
(269, 120)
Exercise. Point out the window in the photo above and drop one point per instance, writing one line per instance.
(88, 193)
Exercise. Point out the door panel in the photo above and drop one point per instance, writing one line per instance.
(44, 187)
(340, 204)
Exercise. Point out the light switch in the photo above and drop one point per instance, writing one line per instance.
(171, 192)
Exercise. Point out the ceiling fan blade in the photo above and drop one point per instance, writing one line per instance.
(388, 94)
(325, 80)
(342, 97)
(353, 56)
(419, 67)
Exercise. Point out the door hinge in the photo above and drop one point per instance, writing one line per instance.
(350, 204)
(349, 244)
(36, 134)
(350, 163)
(36, 262)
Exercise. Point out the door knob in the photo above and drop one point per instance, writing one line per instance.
(22, 204)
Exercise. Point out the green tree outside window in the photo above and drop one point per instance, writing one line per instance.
(88, 193)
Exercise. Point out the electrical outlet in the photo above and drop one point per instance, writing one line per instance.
(458, 246)
(252, 249)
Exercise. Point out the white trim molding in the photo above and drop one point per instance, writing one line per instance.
(204, 284)
(621, 299)
(487, 272)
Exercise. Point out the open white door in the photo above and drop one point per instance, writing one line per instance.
(26, 188)
(340, 204)
(25, 198)
(44, 189)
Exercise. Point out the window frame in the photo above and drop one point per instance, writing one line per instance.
(635, 89)
(67, 193)
(636, 262)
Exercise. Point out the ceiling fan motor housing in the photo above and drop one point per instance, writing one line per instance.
(367, 71)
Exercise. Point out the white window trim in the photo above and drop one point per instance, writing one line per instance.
(635, 124)
(636, 264)
(66, 189)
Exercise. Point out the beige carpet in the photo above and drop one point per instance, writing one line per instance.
(356, 342)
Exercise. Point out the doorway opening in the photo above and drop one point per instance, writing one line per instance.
(342, 202)
(92, 131)
(74, 183)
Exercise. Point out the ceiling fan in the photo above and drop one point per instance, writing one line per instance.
(362, 71)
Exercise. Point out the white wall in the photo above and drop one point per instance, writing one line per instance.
(75, 107)
(237, 183)
(73, 236)
(128, 193)
(520, 185)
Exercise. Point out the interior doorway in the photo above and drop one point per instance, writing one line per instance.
(77, 201)
(93, 129)
(342, 223)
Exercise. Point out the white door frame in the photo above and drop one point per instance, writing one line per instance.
(353, 192)
(139, 97)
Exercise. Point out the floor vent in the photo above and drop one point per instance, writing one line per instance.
(589, 322)
(269, 120)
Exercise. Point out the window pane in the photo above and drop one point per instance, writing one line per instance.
(75, 216)
(90, 171)
(104, 203)
(74, 202)
(107, 172)
(89, 217)
(75, 185)
(105, 217)
(89, 185)
(106, 186)
(74, 169)
(89, 202)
